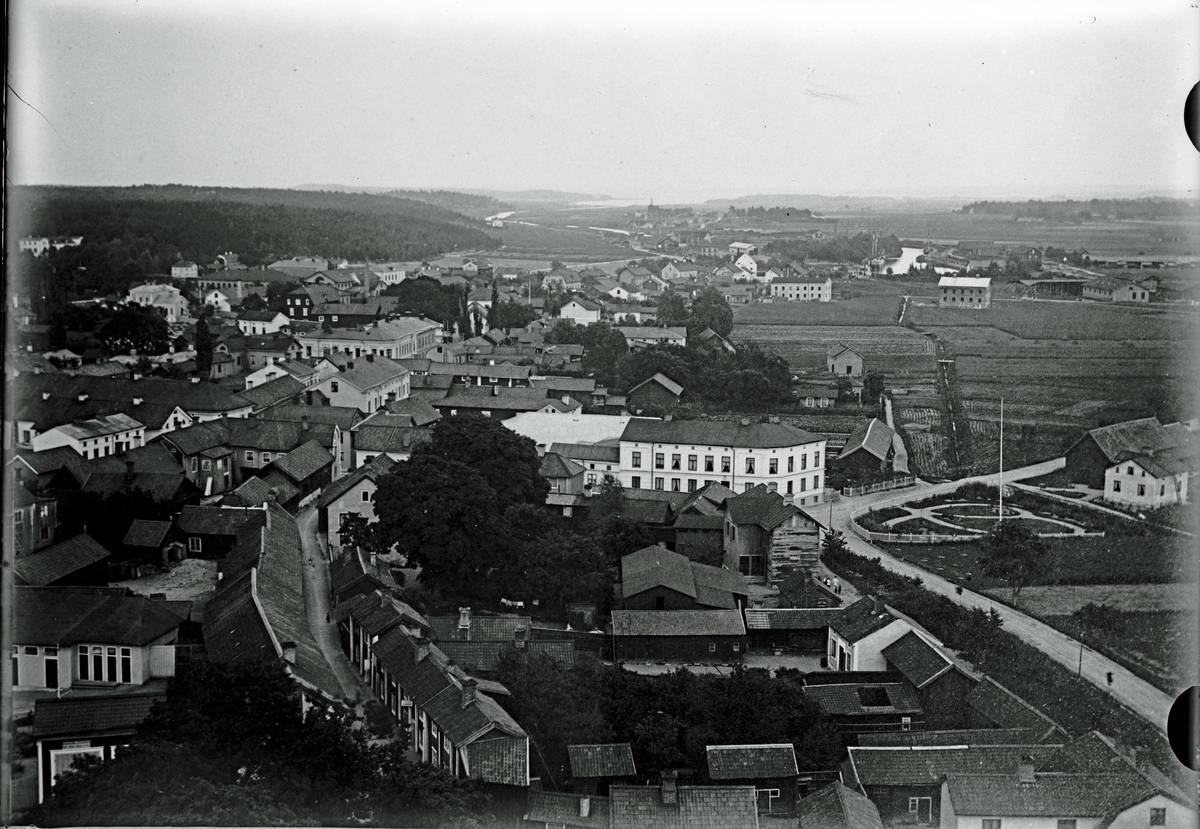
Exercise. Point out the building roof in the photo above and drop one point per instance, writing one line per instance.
(342, 416)
(677, 623)
(602, 452)
(304, 461)
(66, 616)
(662, 380)
(926, 765)
(400, 439)
(563, 809)
(1050, 795)
(789, 618)
(835, 806)
(919, 660)
(274, 391)
(601, 760)
(379, 466)
(93, 715)
(847, 700)
(696, 807)
(207, 520)
(1145, 437)
(61, 560)
(194, 439)
(873, 437)
(965, 282)
(143, 533)
(556, 466)
(100, 426)
(717, 433)
(758, 505)
(417, 410)
(859, 620)
(743, 762)
(1096, 753)
(1006, 709)
(952, 737)
(656, 566)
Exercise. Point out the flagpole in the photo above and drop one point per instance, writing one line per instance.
(1001, 516)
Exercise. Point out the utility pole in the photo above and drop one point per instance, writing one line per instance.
(1001, 516)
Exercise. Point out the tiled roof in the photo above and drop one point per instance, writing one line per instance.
(65, 616)
(418, 411)
(273, 391)
(379, 466)
(204, 520)
(1006, 709)
(1121, 441)
(198, 437)
(94, 716)
(952, 737)
(837, 807)
(860, 620)
(254, 492)
(656, 566)
(143, 533)
(716, 433)
(677, 623)
(697, 807)
(556, 466)
(601, 760)
(267, 435)
(920, 661)
(482, 628)
(874, 437)
(845, 699)
(500, 760)
(343, 416)
(191, 397)
(61, 560)
(692, 521)
(1050, 795)
(925, 765)
(1095, 753)
(789, 618)
(743, 762)
(662, 380)
(758, 505)
(304, 461)
(368, 438)
(99, 426)
(563, 809)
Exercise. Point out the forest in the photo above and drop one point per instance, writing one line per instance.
(834, 249)
(1077, 211)
(771, 214)
(469, 203)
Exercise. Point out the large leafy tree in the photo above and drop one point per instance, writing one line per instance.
(710, 310)
(505, 315)
(1013, 553)
(672, 310)
(425, 297)
(506, 462)
(135, 327)
(204, 343)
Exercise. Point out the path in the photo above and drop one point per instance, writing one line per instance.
(1132, 691)
(933, 515)
(317, 604)
(899, 453)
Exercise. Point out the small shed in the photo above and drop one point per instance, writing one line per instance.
(868, 449)
(153, 541)
(770, 768)
(844, 361)
(678, 635)
(659, 391)
(594, 766)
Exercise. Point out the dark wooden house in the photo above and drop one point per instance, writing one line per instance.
(770, 769)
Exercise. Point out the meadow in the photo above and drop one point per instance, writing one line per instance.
(863, 310)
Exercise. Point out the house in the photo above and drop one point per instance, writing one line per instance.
(258, 614)
(802, 288)
(268, 349)
(152, 542)
(218, 299)
(475, 374)
(597, 459)
(678, 636)
(738, 294)
(257, 442)
(771, 769)
(367, 384)
(394, 338)
(712, 341)
(564, 810)
(211, 531)
(678, 270)
(662, 455)
(580, 311)
(203, 451)
(866, 702)
(477, 643)
(303, 299)
(81, 560)
(836, 806)
(791, 630)
(91, 637)
(37, 245)
(34, 523)
(353, 494)
(86, 726)
(184, 269)
(1116, 289)
(1139, 463)
(168, 299)
(418, 412)
(633, 275)
(500, 402)
(764, 534)
(904, 782)
(262, 322)
(161, 404)
(95, 438)
(858, 635)
(595, 766)
(389, 435)
(659, 392)
(633, 314)
(308, 467)
(965, 292)
(737, 249)
(343, 417)
(306, 375)
(844, 361)
(645, 336)
(820, 397)
(564, 475)
(682, 807)
(942, 683)
(654, 578)
(868, 449)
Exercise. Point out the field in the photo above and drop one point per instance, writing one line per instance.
(1155, 645)
(544, 241)
(867, 309)
(1050, 320)
(896, 351)
(928, 449)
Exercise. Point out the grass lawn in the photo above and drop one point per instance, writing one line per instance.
(1032, 320)
(1108, 560)
(981, 522)
(1154, 645)
(868, 309)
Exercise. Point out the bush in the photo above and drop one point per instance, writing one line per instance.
(1094, 616)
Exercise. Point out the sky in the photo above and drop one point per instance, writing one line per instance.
(667, 100)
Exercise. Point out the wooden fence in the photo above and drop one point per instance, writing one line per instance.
(897, 483)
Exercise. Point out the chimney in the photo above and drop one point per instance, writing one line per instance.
(519, 636)
(349, 365)
(195, 379)
(289, 652)
(468, 692)
(877, 606)
(464, 623)
(374, 561)
(421, 649)
(129, 473)
(670, 795)
(745, 421)
(585, 806)
(1025, 771)
(137, 401)
(304, 423)
(370, 358)
(82, 398)
(272, 494)
(45, 395)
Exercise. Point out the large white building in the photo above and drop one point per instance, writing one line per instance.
(802, 288)
(96, 438)
(396, 338)
(685, 455)
(37, 245)
(167, 298)
(366, 384)
(965, 291)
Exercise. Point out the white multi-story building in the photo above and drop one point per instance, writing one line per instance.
(685, 455)
(37, 245)
(167, 298)
(396, 338)
(965, 291)
(802, 288)
(96, 438)
(1148, 482)
(366, 384)
(185, 270)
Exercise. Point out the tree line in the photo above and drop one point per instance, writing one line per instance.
(1071, 210)
(854, 248)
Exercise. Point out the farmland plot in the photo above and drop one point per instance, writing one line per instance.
(1037, 320)
(928, 448)
(891, 349)
(875, 309)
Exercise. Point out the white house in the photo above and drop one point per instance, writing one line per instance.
(1148, 481)
(965, 291)
(351, 494)
(639, 336)
(390, 273)
(96, 438)
(307, 375)
(580, 311)
(37, 245)
(262, 322)
(395, 338)
(167, 298)
(737, 249)
(858, 635)
(802, 288)
(366, 384)
(748, 265)
(185, 270)
(218, 300)
(686, 455)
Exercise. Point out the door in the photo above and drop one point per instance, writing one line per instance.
(51, 673)
(921, 808)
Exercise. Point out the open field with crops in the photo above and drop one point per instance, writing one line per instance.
(868, 309)
(1065, 320)
(894, 350)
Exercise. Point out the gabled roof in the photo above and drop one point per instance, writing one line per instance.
(481, 629)
(789, 618)
(874, 437)
(1122, 441)
(601, 760)
(205, 520)
(839, 348)
(743, 762)
(342, 416)
(717, 433)
(416, 409)
(926, 765)
(378, 467)
(846, 699)
(66, 616)
(860, 620)
(920, 661)
(602, 452)
(96, 716)
(563, 809)
(656, 566)
(964, 282)
(1050, 795)
(273, 391)
(61, 560)
(304, 461)
(199, 436)
(836, 806)
(556, 466)
(758, 505)
(697, 807)
(1006, 709)
(677, 623)
(368, 438)
(661, 380)
(952, 737)
(143, 533)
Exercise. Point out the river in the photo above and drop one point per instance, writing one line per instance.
(908, 257)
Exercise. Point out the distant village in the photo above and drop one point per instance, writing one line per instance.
(287, 394)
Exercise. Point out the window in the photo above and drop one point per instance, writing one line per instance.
(749, 466)
(659, 482)
(659, 460)
(675, 462)
(816, 459)
(691, 463)
(194, 544)
(804, 461)
(773, 466)
(636, 482)
(991, 823)
(725, 464)
(1158, 817)
(766, 798)
(712, 647)
(333, 386)
(708, 463)
(816, 481)
(83, 662)
(791, 464)
(1141, 489)
(31, 650)
(195, 464)
(126, 665)
(674, 484)
(1129, 470)
(803, 484)
(366, 496)
(1066, 823)
(1116, 486)
(773, 487)
(249, 456)
(906, 724)
(206, 465)
(691, 484)
(1162, 490)
(637, 460)
(737, 646)
(789, 487)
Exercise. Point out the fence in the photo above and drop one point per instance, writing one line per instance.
(911, 538)
(897, 483)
